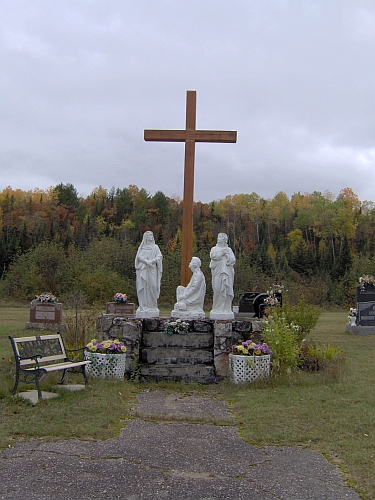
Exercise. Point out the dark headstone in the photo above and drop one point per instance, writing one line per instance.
(245, 303)
(366, 313)
(365, 295)
(258, 302)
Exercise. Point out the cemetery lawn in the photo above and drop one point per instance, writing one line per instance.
(332, 413)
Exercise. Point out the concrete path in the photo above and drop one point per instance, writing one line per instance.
(175, 448)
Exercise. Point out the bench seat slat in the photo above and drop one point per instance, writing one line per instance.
(58, 366)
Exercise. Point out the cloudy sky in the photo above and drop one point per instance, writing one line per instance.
(81, 79)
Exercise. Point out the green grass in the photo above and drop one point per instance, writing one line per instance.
(332, 413)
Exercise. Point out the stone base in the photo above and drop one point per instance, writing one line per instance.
(243, 315)
(221, 316)
(147, 314)
(360, 330)
(45, 326)
(186, 315)
(32, 396)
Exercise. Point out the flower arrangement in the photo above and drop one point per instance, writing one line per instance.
(276, 289)
(366, 279)
(250, 348)
(353, 312)
(176, 326)
(271, 300)
(106, 346)
(120, 298)
(45, 297)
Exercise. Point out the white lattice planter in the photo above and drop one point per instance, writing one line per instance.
(249, 368)
(105, 365)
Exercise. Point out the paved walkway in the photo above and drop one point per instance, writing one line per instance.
(175, 448)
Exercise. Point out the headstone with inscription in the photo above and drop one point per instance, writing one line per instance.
(120, 308)
(366, 305)
(45, 313)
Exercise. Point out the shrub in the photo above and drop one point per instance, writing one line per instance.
(303, 315)
(282, 338)
(316, 356)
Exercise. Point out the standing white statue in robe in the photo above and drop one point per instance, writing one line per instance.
(149, 268)
(190, 299)
(222, 268)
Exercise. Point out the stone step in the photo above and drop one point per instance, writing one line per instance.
(176, 356)
(201, 374)
(192, 339)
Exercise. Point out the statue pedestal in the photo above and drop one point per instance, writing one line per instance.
(155, 313)
(188, 315)
(221, 316)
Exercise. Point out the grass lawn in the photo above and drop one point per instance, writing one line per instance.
(333, 413)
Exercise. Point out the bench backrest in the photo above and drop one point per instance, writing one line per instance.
(49, 347)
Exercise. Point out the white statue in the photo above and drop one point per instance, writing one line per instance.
(222, 268)
(148, 265)
(190, 299)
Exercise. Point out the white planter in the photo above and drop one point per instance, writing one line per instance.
(249, 368)
(352, 320)
(105, 365)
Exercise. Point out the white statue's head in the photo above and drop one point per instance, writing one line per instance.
(148, 237)
(222, 238)
(195, 262)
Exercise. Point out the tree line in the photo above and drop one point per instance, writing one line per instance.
(314, 243)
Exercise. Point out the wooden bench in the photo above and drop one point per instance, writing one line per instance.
(42, 354)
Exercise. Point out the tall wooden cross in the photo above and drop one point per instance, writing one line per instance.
(190, 136)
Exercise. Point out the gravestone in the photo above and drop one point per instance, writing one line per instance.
(245, 302)
(46, 312)
(119, 308)
(366, 305)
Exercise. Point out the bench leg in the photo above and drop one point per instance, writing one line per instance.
(14, 390)
(62, 381)
(84, 371)
(38, 386)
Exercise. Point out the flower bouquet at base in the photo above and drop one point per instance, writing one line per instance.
(176, 326)
(353, 313)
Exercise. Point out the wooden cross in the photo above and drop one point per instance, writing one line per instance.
(190, 136)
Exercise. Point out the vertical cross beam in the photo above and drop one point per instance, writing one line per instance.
(190, 136)
(188, 200)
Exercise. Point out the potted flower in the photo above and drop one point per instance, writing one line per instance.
(45, 309)
(249, 362)
(176, 326)
(352, 316)
(120, 305)
(107, 358)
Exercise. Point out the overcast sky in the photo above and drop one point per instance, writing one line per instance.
(81, 79)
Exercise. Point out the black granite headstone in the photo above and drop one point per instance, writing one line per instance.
(366, 313)
(366, 295)
(246, 300)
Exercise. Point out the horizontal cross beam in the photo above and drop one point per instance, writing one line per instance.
(190, 135)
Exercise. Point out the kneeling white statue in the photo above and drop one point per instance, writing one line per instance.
(190, 299)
